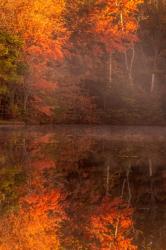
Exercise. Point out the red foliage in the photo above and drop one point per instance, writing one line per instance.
(111, 226)
(43, 164)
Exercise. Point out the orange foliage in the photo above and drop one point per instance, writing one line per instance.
(36, 223)
(111, 226)
(47, 27)
(38, 22)
(32, 227)
(115, 22)
(41, 26)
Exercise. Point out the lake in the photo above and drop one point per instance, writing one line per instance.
(82, 188)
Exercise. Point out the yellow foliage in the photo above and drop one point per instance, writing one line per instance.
(36, 21)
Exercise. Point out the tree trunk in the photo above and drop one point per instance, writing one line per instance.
(153, 79)
(128, 184)
(107, 176)
(129, 64)
(152, 82)
(150, 167)
(110, 69)
(126, 61)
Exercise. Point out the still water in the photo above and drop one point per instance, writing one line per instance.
(82, 188)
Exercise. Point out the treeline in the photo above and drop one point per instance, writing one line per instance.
(83, 61)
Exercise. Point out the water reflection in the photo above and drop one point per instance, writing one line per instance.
(82, 189)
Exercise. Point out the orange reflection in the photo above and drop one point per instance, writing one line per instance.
(111, 226)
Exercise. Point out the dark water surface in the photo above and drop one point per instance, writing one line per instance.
(82, 188)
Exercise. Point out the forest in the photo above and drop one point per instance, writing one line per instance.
(83, 62)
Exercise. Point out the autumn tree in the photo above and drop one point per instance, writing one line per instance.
(98, 29)
(113, 24)
(39, 23)
(116, 26)
(32, 227)
(111, 226)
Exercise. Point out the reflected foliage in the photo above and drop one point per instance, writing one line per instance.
(75, 189)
